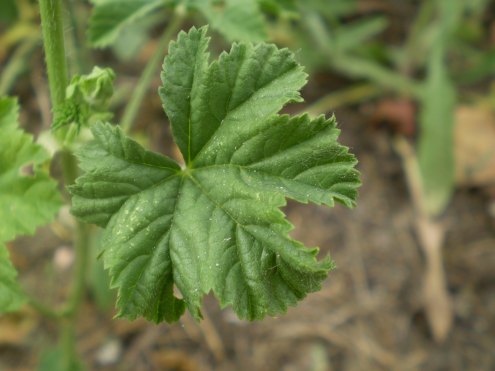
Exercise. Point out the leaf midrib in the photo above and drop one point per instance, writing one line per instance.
(239, 106)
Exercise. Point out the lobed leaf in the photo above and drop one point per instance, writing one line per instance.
(216, 224)
(28, 198)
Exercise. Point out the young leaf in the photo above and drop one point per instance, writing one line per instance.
(26, 201)
(215, 225)
(86, 99)
(11, 295)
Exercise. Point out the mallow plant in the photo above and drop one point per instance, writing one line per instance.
(175, 231)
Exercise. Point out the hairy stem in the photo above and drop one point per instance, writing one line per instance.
(67, 346)
(53, 41)
(132, 108)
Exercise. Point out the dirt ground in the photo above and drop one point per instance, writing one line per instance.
(368, 316)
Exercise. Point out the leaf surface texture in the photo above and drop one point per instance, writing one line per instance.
(215, 225)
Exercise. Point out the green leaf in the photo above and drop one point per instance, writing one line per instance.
(353, 35)
(8, 11)
(11, 294)
(279, 8)
(435, 149)
(436, 141)
(234, 19)
(132, 39)
(9, 113)
(109, 17)
(216, 224)
(26, 201)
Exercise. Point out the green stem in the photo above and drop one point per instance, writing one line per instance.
(354, 94)
(44, 310)
(81, 267)
(81, 242)
(355, 66)
(132, 109)
(68, 346)
(53, 41)
(411, 58)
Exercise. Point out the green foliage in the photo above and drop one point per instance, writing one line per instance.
(28, 199)
(436, 142)
(434, 44)
(111, 16)
(11, 294)
(8, 11)
(86, 99)
(57, 359)
(215, 224)
(279, 8)
(234, 19)
(435, 151)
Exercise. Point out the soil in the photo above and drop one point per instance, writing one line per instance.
(368, 316)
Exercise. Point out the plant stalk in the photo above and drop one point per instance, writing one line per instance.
(352, 95)
(132, 109)
(43, 309)
(357, 67)
(53, 41)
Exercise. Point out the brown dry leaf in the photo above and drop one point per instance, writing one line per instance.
(173, 360)
(123, 327)
(474, 146)
(16, 327)
(437, 301)
(397, 115)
